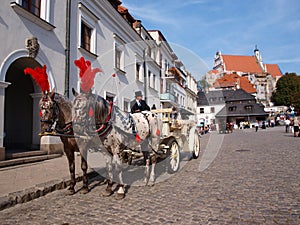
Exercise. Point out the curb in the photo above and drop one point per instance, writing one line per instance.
(39, 190)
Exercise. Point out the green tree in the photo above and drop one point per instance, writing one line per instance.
(287, 90)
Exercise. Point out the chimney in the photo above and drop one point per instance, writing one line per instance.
(137, 25)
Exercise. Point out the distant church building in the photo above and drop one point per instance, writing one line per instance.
(262, 77)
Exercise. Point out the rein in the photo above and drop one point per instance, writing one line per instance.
(53, 120)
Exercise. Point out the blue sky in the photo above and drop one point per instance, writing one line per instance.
(197, 29)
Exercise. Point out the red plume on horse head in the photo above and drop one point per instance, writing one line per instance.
(40, 76)
(86, 74)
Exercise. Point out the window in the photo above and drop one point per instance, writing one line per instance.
(119, 50)
(31, 9)
(160, 60)
(201, 110)
(232, 108)
(137, 72)
(118, 54)
(33, 6)
(212, 109)
(86, 34)
(212, 99)
(87, 31)
(126, 106)
(149, 78)
(248, 107)
(154, 80)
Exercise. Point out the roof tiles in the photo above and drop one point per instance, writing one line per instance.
(240, 63)
(232, 80)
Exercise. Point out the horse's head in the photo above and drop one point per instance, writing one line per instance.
(47, 111)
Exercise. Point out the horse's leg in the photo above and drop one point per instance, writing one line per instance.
(71, 160)
(147, 166)
(109, 176)
(118, 167)
(152, 174)
(84, 167)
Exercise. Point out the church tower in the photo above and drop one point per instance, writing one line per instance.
(259, 59)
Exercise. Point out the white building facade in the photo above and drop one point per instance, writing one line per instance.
(19, 96)
(103, 32)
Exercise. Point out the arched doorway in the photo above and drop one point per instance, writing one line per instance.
(18, 109)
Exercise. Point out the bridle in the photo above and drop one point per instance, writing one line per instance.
(52, 121)
(67, 127)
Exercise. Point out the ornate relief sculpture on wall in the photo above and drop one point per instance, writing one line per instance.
(32, 46)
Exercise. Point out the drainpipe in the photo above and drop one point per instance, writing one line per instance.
(145, 77)
(67, 50)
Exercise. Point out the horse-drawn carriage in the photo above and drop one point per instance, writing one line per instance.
(177, 136)
(90, 115)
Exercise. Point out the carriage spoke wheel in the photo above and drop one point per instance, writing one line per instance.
(173, 156)
(196, 145)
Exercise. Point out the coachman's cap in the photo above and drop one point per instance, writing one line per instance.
(138, 93)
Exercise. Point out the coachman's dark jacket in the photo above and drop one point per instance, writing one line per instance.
(138, 108)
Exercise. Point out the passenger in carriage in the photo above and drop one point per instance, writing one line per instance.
(140, 104)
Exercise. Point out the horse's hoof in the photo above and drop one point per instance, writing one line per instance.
(70, 191)
(120, 196)
(106, 193)
(145, 182)
(84, 190)
(151, 183)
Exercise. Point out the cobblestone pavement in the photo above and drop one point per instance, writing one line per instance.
(255, 179)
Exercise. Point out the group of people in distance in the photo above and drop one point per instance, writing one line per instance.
(292, 125)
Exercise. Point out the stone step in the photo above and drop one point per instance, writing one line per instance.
(25, 154)
(32, 159)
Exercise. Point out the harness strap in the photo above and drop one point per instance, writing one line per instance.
(105, 127)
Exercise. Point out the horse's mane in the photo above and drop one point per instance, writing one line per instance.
(65, 106)
(101, 108)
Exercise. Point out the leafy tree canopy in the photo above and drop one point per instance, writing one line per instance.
(287, 91)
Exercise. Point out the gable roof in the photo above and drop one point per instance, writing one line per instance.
(241, 63)
(240, 110)
(232, 80)
(223, 96)
(201, 99)
(274, 70)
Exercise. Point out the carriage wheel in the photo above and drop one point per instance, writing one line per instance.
(173, 156)
(196, 145)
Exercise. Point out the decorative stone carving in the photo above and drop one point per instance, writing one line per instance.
(32, 46)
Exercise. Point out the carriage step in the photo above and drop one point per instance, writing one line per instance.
(24, 160)
(25, 154)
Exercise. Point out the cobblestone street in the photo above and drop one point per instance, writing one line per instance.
(255, 179)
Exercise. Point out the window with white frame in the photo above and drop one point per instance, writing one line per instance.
(33, 6)
(118, 58)
(149, 78)
(126, 105)
(87, 29)
(154, 81)
(119, 53)
(31, 9)
(86, 36)
(137, 72)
